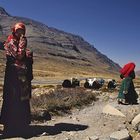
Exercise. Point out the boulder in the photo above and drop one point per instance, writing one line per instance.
(136, 120)
(108, 109)
(120, 135)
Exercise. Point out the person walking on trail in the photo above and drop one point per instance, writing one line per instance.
(15, 112)
(127, 93)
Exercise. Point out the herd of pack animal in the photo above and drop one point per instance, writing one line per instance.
(90, 83)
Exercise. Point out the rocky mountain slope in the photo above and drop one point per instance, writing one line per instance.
(57, 53)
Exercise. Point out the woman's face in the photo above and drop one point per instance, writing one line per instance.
(19, 32)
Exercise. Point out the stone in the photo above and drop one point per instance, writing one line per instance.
(136, 120)
(67, 139)
(120, 135)
(108, 109)
(94, 138)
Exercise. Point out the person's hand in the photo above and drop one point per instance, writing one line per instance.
(22, 42)
(29, 53)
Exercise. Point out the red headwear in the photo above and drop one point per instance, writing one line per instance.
(127, 69)
(19, 25)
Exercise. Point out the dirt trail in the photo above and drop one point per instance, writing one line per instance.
(84, 123)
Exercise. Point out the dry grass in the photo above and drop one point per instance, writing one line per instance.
(58, 100)
(58, 68)
(53, 68)
(35, 86)
(61, 100)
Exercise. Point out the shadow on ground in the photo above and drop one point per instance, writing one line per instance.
(39, 130)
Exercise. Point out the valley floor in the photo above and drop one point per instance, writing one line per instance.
(87, 122)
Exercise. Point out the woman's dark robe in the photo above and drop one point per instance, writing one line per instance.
(127, 91)
(15, 111)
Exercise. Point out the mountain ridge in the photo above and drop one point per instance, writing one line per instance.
(57, 46)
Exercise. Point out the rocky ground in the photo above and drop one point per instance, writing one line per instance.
(93, 122)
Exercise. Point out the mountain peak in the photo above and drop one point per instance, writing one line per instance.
(3, 12)
(64, 54)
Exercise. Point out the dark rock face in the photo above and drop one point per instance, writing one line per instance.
(3, 12)
(48, 42)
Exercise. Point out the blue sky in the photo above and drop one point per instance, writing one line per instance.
(112, 26)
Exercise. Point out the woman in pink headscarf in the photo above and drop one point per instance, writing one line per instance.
(127, 93)
(15, 113)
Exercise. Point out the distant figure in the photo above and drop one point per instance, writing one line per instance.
(74, 82)
(15, 113)
(89, 82)
(127, 93)
(66, 83)
(98, 83)
(111, 84)
(94, 83)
